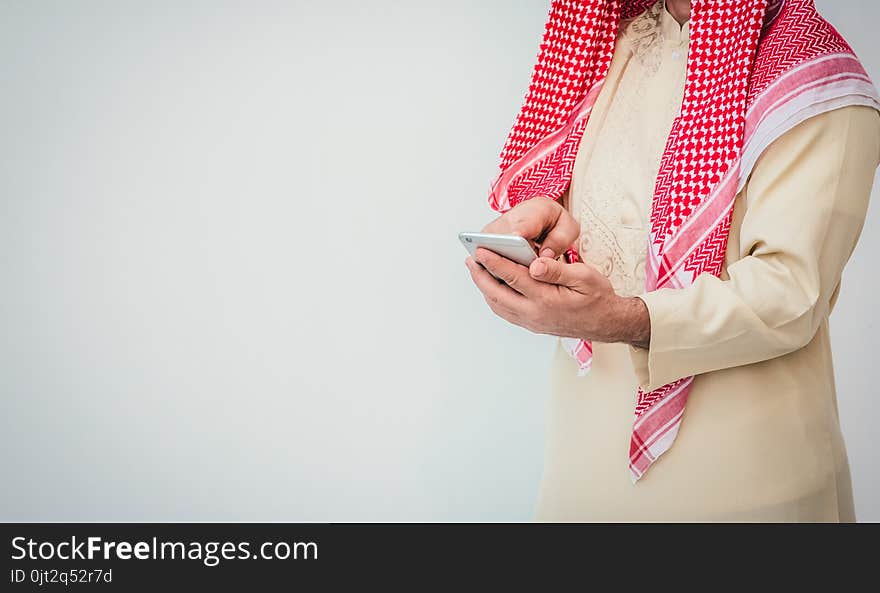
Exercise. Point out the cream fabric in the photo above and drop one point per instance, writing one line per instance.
(760, 440)
(641, 97)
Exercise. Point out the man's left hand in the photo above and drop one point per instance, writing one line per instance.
(566, 300)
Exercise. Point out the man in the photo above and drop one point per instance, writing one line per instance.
(712, 163)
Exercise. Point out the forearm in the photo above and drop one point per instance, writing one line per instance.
(629, 322)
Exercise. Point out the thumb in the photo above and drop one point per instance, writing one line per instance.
(553, 271)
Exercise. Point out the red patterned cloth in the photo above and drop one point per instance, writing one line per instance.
(755, 70)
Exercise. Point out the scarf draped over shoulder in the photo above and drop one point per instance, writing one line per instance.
(756, 69)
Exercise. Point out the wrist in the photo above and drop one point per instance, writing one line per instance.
(632, 322)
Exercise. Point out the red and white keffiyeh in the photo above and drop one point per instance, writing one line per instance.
(756, 68)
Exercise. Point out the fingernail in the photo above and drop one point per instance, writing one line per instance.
(547, 252)
(538, 268)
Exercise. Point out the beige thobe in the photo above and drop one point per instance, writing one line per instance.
(760, 438)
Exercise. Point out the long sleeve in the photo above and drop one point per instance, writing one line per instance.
(805, 205)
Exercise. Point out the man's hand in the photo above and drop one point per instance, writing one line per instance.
(566, 300)
(540, 220)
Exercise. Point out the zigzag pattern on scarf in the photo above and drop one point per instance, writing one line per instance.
(738, 49)
(800, 36)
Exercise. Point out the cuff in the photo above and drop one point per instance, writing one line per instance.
(639, 358)
(656, 366)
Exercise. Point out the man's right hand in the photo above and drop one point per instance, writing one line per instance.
(540, 220)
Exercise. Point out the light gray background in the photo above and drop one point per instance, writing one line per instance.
(230, 286)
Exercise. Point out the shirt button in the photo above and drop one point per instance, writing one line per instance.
(676, 54)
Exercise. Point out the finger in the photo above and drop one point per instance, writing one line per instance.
(499, 226)
(561, 235)
(533, 218)
(516, 276)
(545, 221)
(552, 271)
(497, 293)
(500, 306)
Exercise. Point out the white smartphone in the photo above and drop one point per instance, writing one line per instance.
(512, 247)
